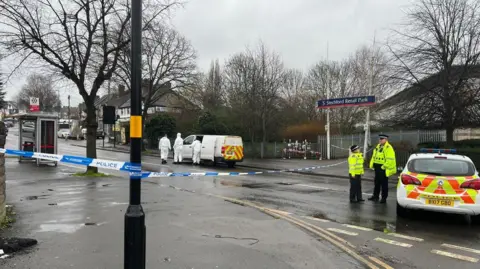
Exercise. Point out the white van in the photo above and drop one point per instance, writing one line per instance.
(216, 148)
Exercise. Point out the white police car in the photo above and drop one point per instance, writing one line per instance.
(439, 180)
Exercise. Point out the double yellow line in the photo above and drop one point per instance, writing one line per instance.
(326, 235)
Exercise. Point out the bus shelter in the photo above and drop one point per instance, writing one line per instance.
(37, 133)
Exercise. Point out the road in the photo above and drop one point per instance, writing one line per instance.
(424, 240)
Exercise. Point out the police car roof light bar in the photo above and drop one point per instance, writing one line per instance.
(432, 150)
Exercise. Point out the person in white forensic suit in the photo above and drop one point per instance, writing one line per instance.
(164, 146)
(177, 149)
(196, 147)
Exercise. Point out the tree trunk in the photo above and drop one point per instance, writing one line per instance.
(449, 131)
(92, 125)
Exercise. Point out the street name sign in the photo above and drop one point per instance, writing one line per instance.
(346, 102)
(34, 104)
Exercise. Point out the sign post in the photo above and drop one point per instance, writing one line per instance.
(343, 102)
(34, 104)
(135, 230)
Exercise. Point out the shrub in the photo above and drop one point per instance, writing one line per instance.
(308, 131)
(160, 125)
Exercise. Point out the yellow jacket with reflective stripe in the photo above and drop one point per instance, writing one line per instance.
(355, 164)
(385, 155)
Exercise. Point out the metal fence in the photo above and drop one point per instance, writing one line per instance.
(405, 143)
(282, 150)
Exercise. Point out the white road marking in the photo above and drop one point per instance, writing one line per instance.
(461, 248)
(455, 256)
(314, 187)
(381, 263)
(342, 231)
(391, 242)
(406, 237)
(358, 227)
(285, 213)
(317, 219)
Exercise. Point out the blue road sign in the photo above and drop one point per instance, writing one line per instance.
(346, 101)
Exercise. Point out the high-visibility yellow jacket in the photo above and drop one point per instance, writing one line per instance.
(355, 164)
(385, 155)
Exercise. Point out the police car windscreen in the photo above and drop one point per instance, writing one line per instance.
(441, 167)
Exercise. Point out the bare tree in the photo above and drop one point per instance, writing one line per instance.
(168, 59)
(253, 82)
(214, 95)
(39, 86)
(81, 40)
(436, 55)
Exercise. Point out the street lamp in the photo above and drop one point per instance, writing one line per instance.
(135, 230)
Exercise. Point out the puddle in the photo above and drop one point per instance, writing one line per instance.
(60, 228)
(36, 197)
(308, 191)
(116, 203)
(248, 185)
(319, 215)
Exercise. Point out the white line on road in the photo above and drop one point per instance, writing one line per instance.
(461, 248)
(342, 231)
(358, 227)
(391, 242)
(455, 256)
(317, 219)
(406, 237)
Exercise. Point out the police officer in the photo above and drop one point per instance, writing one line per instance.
(384, 163)
(355, 170)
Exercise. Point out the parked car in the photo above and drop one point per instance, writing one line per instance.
(439, 180)
(63, 133)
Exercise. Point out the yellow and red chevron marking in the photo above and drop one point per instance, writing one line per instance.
(451, 187)
(238, 153)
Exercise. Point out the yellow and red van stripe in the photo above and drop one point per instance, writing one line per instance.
(431, 189)
(237, 150)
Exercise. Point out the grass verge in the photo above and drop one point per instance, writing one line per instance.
(9, 218)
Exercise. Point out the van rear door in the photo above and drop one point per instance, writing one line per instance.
(232, 149)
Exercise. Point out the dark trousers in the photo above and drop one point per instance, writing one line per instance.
(381, 181)
(355, 188)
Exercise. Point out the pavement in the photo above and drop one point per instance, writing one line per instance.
(190, 225)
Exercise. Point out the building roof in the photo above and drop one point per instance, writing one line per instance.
(428, 83)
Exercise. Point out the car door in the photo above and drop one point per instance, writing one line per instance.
(187, 147)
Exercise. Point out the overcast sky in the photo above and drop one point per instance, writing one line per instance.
(298, 30)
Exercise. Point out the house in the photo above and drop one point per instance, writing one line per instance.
(164, 100)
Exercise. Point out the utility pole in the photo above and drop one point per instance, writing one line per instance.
(328, 110)
(135, 230)
(370, 90)
(68, 116)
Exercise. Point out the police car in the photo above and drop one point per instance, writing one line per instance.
(439, 180)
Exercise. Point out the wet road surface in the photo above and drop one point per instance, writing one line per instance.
(424, 240)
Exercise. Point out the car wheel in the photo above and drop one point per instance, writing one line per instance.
(401, 211)
(231, 164)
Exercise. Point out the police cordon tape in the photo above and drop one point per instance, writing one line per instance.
(84, 161)
(135, 169)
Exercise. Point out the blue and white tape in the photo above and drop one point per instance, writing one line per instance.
(106, 164)
(135, 169)
(218, 174)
